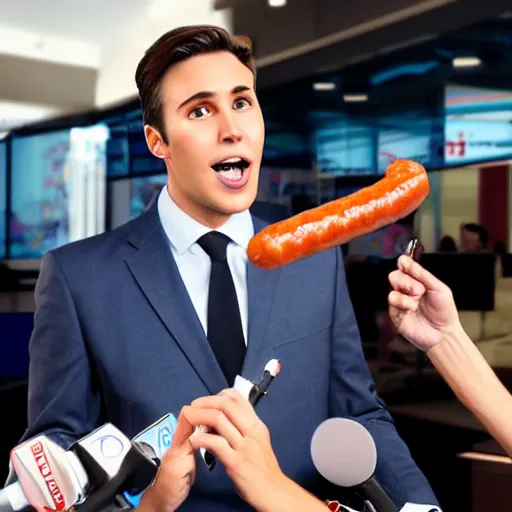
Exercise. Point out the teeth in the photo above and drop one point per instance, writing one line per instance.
(231, 160)
(232, 174)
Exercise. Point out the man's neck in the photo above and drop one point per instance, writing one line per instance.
(205, 216)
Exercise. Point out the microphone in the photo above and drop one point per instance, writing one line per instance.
(344, 453)
(154, 441)
(85, 477)
(49, 478)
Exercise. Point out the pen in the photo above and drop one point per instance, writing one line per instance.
(258, 391)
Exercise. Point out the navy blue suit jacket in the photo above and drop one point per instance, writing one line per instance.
(117, 339)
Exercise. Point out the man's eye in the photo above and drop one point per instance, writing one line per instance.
(242, 104)
(199, 112)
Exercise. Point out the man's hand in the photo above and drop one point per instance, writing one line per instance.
(421, 306)
(176, 473)
(241, 443)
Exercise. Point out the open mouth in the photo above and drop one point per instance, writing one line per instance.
(231, 168)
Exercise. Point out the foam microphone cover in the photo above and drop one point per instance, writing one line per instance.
(344, 452)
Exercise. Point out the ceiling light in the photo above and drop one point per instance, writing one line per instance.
(466, 62)
(324, 86)
(355, 98)
(276, 3)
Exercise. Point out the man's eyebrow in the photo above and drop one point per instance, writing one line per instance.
(201, 95)
(240, 88)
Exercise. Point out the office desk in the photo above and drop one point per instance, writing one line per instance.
(436, 432)
(449, 413)
(491, 477)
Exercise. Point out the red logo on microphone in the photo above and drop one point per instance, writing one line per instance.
(46, 472)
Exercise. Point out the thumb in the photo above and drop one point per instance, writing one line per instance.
(407, 265)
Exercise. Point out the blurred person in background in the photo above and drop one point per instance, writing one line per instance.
(473, 238)
(135, 323)
(447, 244)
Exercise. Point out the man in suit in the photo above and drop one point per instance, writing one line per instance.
(140, 321)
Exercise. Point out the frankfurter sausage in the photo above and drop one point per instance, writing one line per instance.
(402, 190)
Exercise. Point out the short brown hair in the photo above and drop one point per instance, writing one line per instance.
(175, 46)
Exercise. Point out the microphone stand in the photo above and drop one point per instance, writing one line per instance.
(380, 501)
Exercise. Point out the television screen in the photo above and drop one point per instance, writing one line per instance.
(411, 136)
(142, 160)
(286, 149)
(130, 197)
(344, 146)
(118, 151)
(478, 124)
(3, 197)
(58, 183)
(143, 190)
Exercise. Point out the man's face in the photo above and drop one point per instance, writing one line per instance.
(212, 118)
(470, 242)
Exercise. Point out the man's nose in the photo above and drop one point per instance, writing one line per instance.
(228, 129)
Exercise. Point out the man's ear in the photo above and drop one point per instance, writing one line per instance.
(155, 142)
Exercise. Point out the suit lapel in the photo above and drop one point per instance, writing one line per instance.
(261, 287)
(157, 274)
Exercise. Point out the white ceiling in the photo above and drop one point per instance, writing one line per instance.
(16, 114)
(85, 20)
(57, 42)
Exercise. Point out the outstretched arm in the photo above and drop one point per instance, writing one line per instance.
(424, 312)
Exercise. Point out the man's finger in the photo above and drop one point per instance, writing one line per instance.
(237, 397)
(407, 265)
(214, 444)
(238, 410)
(216, 420)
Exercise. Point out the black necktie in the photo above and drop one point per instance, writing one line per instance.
(225, 333)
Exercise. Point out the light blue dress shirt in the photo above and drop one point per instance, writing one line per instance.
(194, 264)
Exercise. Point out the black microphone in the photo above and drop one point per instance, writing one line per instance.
(344, 453)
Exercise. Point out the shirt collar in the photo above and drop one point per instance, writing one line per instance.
(183, 231)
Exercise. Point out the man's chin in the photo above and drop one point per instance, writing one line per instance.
(238, 204)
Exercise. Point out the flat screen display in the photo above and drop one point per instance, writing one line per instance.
(58, 184)
(142, 160)
(118, 151)
(410, 136)
(478, 124)
(344, 146)
(130, 197)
